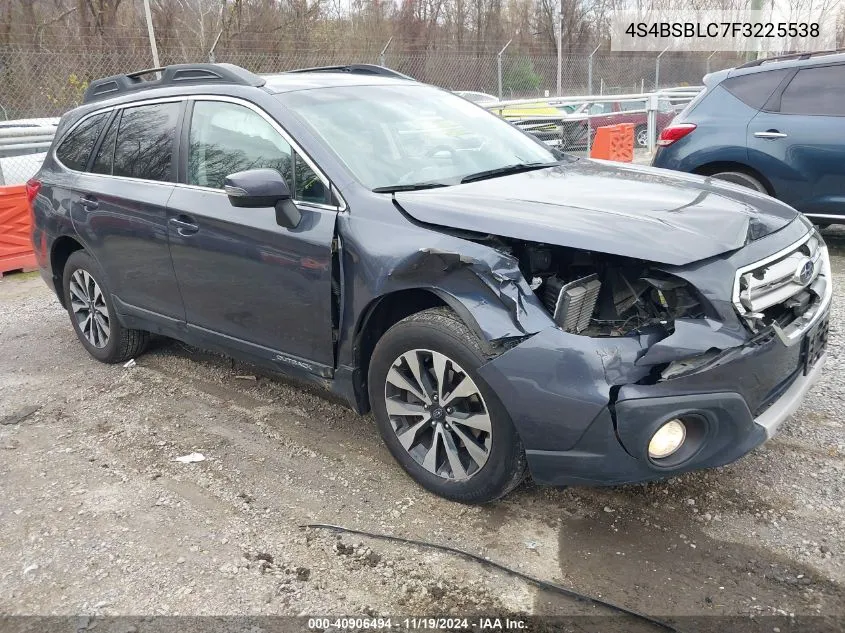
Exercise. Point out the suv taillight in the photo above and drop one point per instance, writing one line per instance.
(672, 133)
(33, 186)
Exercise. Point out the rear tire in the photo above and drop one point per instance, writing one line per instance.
(741, 178)
(459, 442)
(92, 314)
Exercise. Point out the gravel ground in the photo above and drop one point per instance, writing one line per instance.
(99, 519)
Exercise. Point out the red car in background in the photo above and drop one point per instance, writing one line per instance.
(599, 114)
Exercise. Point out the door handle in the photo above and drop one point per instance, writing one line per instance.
(184, 225)
(89, 203)
(770, 134)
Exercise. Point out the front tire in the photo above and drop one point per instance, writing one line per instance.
(439, 419)
(92, 313)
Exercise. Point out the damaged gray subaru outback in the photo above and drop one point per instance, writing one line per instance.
(499, 306)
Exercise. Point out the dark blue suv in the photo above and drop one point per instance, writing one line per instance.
(497, 305)
(776, 125)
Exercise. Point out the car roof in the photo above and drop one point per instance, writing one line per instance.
(821, 58)
(224, 79)
(176, 78)
(289, 82)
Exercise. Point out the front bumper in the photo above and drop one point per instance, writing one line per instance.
(772, 418)
(601, 457)
(585, 420)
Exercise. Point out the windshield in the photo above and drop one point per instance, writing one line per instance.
(401, 135)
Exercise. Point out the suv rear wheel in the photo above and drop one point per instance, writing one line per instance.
(740, 178)
(92, 313)
(440, 420)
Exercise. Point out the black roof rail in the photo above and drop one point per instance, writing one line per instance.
(174, 75)
(358, 69)
(781, 58)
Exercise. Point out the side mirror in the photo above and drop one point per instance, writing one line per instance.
(256, 188)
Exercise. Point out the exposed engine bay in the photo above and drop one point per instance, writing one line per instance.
(596, 294)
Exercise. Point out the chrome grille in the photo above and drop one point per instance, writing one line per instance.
(794, 283)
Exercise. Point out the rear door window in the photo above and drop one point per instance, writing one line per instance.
(145, 141)
(755, 89)
(816, 91)
(76, 148)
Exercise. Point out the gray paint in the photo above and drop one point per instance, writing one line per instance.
(632, 211)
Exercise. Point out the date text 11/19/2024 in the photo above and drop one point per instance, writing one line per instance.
(418, 624)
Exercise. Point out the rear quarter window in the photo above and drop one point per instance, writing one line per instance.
(755, 89)
(76, 147)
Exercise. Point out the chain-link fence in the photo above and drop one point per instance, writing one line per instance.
(38, 84)
(41, 84)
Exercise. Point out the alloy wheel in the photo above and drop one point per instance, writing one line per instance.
(89, 307)
(642, 137)
(438, 414)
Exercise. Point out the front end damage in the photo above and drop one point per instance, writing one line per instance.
(605, 350)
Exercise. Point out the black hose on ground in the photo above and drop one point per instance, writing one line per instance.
(542, 584)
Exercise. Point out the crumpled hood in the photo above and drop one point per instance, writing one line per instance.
(641, 212)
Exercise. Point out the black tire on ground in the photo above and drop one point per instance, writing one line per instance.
(121, 344)
(641, 136)
(740, 178)
(440, 330)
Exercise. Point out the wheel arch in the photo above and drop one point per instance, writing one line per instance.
(63, 247)
(385, 311)
(714, 167)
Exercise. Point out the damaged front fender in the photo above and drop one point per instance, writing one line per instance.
(483, 285)
(458, 274)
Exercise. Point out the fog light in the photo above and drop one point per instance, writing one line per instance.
(667, 439)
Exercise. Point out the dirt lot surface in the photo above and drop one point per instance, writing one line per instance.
(97, 517)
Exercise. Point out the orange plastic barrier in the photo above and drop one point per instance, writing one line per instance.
(15, 224)
(614, 142)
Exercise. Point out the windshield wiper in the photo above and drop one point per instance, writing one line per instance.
(506, 170)
(415, 187)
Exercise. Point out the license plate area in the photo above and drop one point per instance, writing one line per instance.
(814, 343)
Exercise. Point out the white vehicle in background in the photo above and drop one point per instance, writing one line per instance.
(481, 98)
(23, 146)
